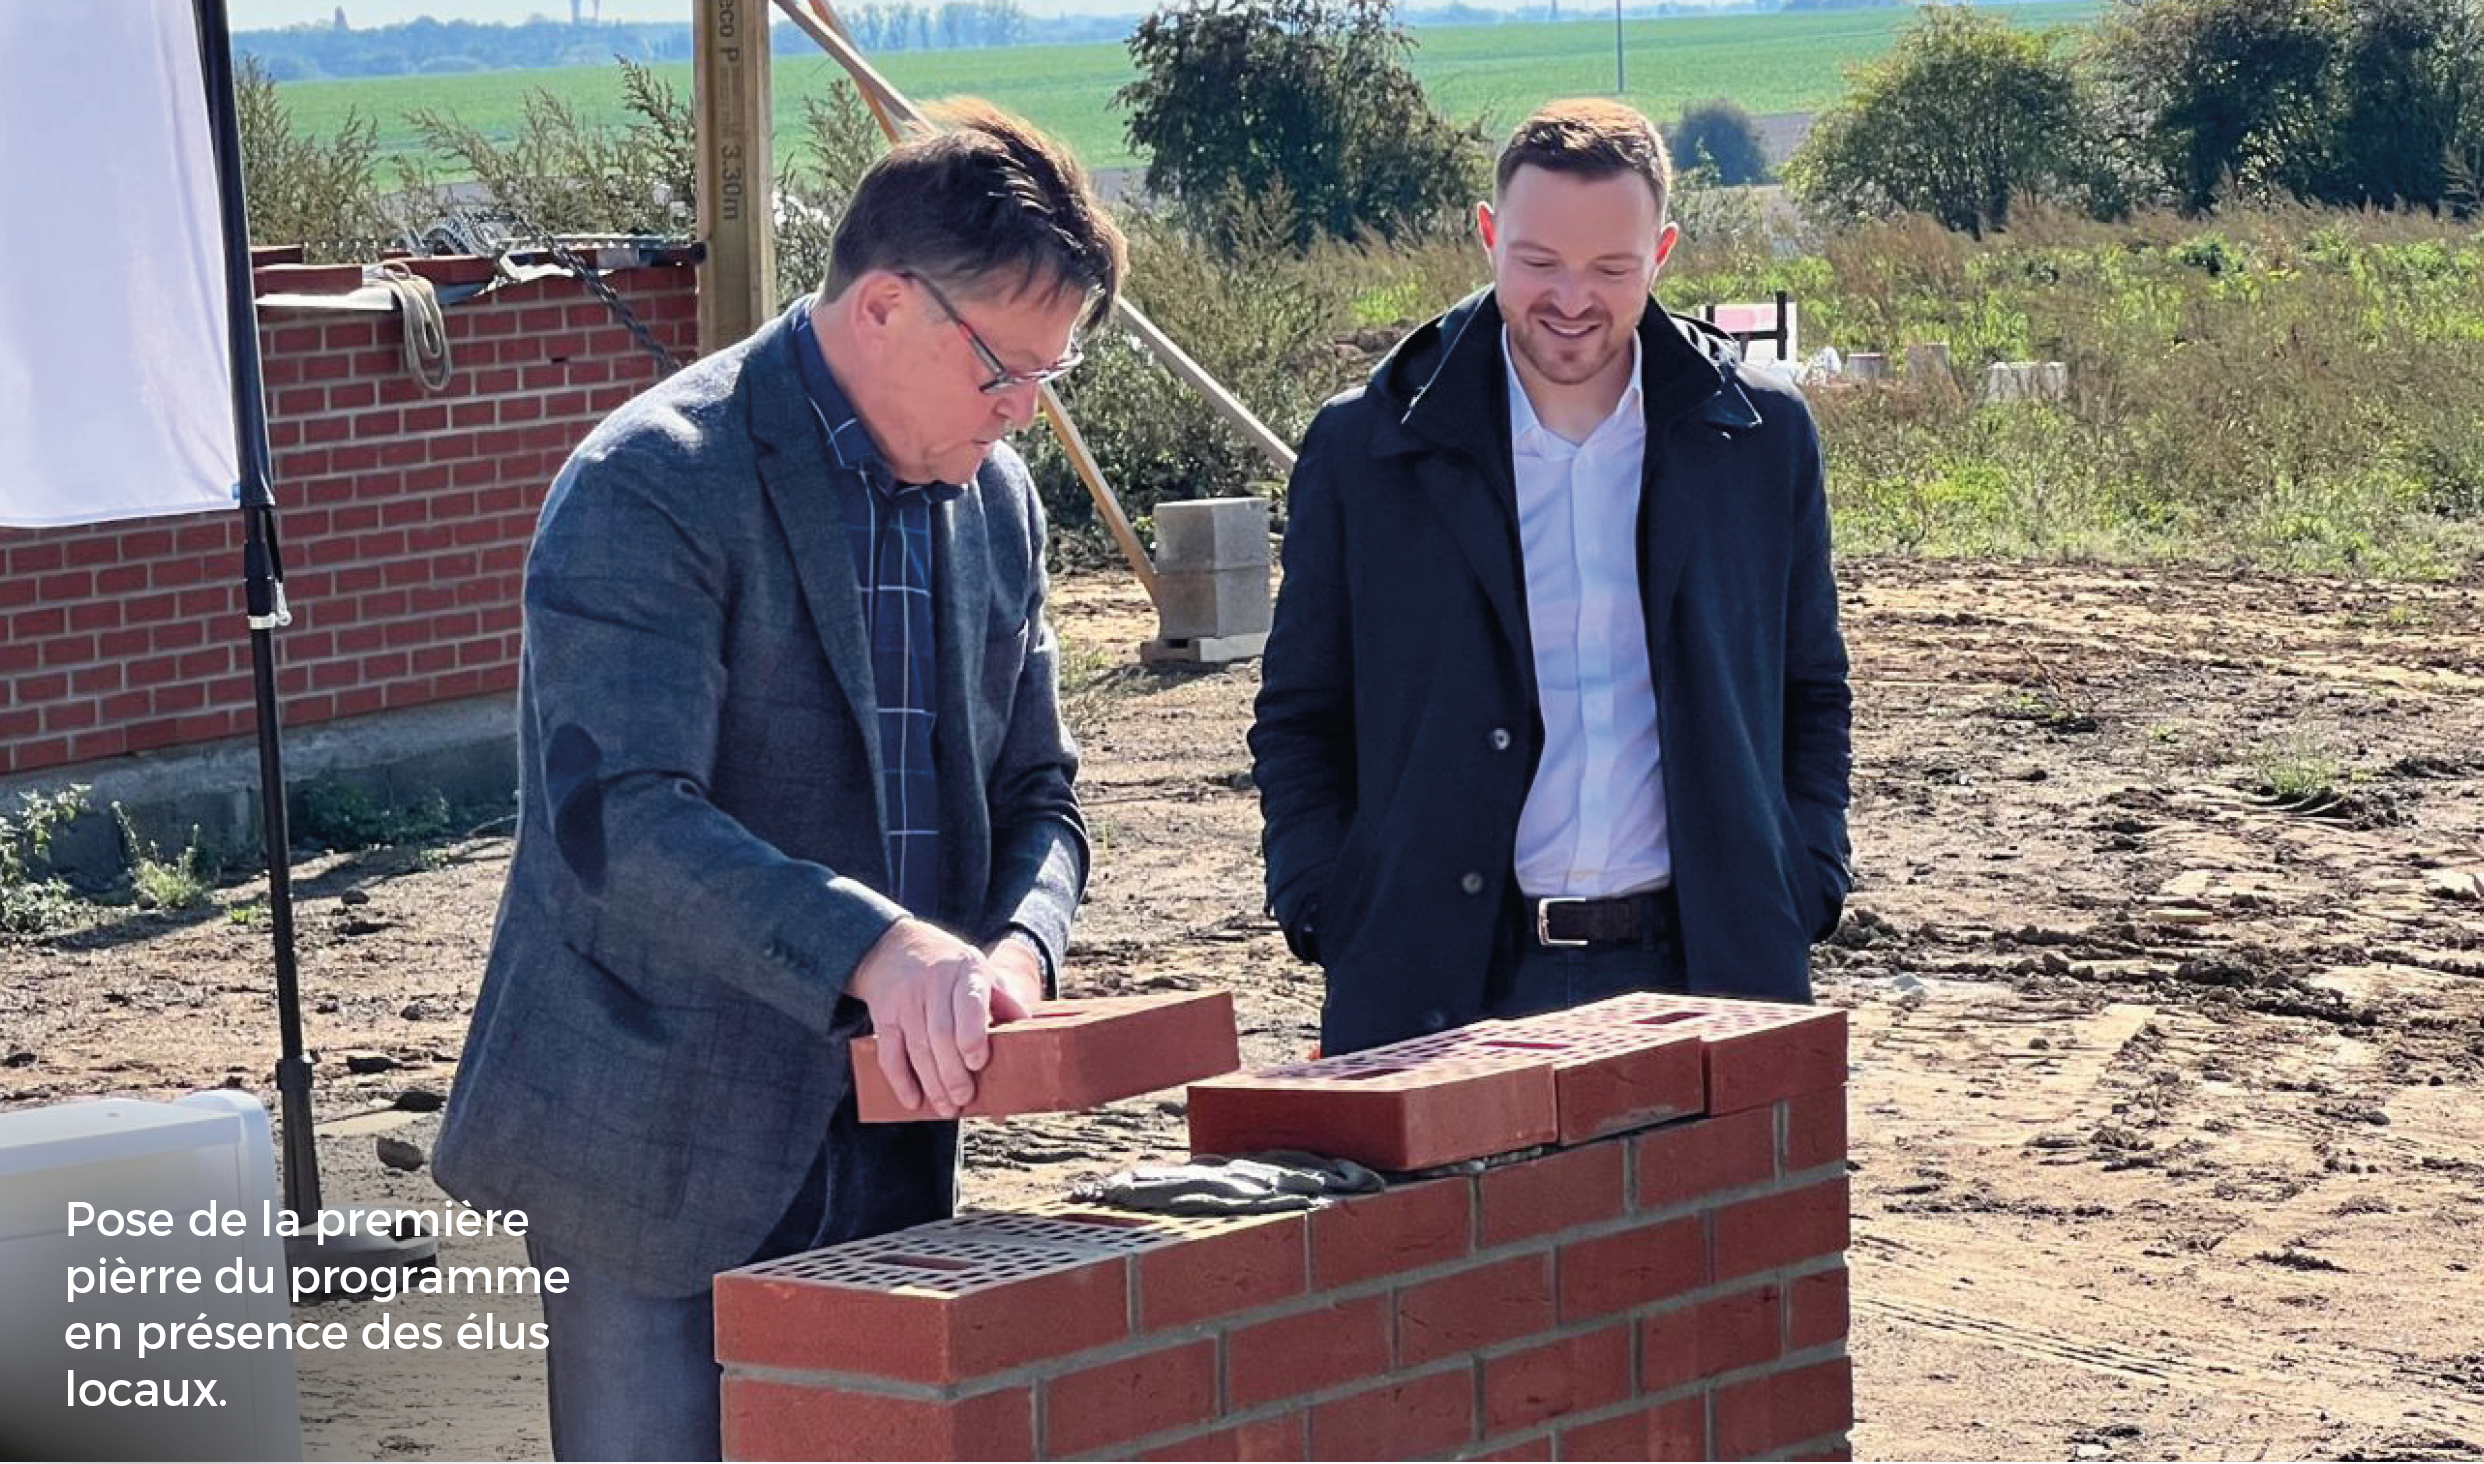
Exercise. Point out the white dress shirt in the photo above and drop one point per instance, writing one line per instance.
(1594, 819)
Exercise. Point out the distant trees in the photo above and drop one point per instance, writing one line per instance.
(1965, 112)
(1721, 137)
(2360, 103)
(2218, 90)
(1300, 108)
(2357, 102)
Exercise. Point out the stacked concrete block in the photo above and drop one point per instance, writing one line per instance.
(1673, 1290)
(1212, 597)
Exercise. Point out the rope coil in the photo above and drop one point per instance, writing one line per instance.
(425, 331)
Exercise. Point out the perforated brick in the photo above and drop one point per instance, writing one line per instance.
(1072, 1055)
(1409, 1105)
(1755, 1052)
(956, 1299)
(1609, 1079)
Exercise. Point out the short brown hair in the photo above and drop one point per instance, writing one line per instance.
(1591, 137)
(985, 196)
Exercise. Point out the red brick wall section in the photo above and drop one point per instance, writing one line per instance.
(1676, 1291)
(404, 518)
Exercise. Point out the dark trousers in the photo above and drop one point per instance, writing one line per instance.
(634, 1376)
(1529, 978)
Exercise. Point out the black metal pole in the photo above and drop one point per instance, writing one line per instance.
(263, 586)
(1621, 84)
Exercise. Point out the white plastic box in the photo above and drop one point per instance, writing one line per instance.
(124, 1154)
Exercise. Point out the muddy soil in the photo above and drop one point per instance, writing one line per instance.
(2166, 969)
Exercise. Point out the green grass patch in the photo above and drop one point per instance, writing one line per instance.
(1495, 73)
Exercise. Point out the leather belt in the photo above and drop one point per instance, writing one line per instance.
(1566, 920)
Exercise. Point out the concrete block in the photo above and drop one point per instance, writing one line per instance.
(2027, 381)
(1206, 650)
(1211, 533)
(1072, 1055)
(1191, 603)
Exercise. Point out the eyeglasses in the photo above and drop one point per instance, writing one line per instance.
(1003, 379)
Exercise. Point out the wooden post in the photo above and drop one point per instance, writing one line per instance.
(887, 107)
(731, 101)
(877, 91)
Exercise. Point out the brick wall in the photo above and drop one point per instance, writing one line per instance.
(1675, 1290)
(404, 518)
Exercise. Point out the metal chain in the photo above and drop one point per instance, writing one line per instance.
(588, 276)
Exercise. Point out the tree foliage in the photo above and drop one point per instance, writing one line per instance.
(2220, 90)
(1305, 100)
(1720, 137)
(565, 175)
(1965, 112)
(2356, 102)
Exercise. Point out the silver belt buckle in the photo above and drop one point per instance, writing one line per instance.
(1543, 919)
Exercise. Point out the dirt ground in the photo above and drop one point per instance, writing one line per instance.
(2167, 1136)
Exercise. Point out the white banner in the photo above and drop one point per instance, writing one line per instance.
(116, 394)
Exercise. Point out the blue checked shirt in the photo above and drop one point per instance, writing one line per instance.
(888, 525)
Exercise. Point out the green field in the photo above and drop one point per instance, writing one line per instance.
(1768, 63)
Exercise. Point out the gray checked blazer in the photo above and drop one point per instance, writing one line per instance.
(660, 1042)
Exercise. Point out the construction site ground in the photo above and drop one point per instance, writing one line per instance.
(2165, 965)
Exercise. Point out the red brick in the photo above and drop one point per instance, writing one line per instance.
(1756, 1052)
(1574, 1375)
(1403, 1228)
(1474, 1308)
(303, 279)
(1129, 1397)
(1675, 1430)
(1634, 1267)
(1539, 1447)
(1409, 1105)
(1780, 1409)
(1688, 1162)
(1560, 1191)
(1688, 1343)
(1817, 1310)
(1780, 1230)
(1256, 1263)
(1609, 1080)
(1306, 1352)
(771, 1420)
(1072, 1055)
(938, 1307)
(1815, 1130)
(1426, 1417)
(1286, 1436)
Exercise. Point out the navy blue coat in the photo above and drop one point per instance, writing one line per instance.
(1397, 728)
